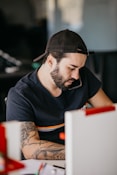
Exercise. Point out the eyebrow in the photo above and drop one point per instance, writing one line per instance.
(74, 66)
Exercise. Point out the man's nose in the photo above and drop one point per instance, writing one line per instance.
(75, 74)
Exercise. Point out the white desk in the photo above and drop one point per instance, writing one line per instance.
(32, 166)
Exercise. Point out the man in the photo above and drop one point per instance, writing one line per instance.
(40, 99)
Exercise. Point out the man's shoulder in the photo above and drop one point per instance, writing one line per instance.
(24, 83)
(25, 80)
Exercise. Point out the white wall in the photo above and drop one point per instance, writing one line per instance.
(100, 24)
(97, 24)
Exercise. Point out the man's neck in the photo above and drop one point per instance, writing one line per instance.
(45, 79)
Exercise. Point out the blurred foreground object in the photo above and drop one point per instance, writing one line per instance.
(10, 148)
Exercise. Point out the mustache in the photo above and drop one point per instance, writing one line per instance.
(70, 79)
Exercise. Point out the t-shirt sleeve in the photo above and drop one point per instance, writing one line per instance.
(18, 107)
(93, 83)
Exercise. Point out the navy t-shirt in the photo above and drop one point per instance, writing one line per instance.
(28, 100)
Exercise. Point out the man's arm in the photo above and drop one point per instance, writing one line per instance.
(34, 148)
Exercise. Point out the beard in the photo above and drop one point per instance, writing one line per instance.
(59, 80)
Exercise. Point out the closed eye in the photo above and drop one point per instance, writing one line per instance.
(72, 68)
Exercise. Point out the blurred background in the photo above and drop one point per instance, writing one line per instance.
(26, 25)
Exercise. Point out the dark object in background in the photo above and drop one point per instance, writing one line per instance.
(20, 41)
(104, 66)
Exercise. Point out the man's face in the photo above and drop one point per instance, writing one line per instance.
(67, 70)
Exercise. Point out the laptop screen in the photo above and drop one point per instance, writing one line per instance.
(91, 141)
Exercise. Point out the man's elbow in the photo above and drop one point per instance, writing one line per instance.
(28, 153)
(32, 153)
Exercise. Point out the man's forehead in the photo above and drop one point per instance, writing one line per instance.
(74, 61)
(74, 57)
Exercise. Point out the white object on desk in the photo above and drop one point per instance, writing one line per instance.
(13, 136)
(32, 166)
(91, 143)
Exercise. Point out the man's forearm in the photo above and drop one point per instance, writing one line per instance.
(44, 150)
(34, 148)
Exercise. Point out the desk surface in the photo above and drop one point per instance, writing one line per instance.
(32, 165)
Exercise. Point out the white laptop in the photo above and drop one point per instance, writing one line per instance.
(91, 141)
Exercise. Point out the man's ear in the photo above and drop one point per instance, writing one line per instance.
(50, 60)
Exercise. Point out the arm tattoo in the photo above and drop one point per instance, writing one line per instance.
(39, 149)
(52, 152)
(28, 130)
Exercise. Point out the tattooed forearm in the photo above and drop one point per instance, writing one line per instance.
(28, 131)
(35, 148)
(51, 151)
